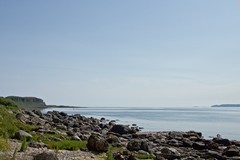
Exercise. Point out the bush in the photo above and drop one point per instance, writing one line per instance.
(7, 102)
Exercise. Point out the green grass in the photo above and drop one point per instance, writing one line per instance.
(109, 154)
(3, 144)
(9, 124)
(67, 145)
(7, 103)
(144, 156)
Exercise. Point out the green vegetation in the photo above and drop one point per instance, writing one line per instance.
(9, 124)
(3, 144)
(67, 144)
(24, 145)
(144, 156)
(8, 103)
(27, 102)
(109, 154)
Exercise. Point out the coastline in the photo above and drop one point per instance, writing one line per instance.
(100, 134)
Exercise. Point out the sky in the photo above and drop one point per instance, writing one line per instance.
(128, 53)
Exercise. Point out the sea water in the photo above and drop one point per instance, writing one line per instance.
(208, 120)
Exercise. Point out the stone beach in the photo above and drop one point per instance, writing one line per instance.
(102, 133)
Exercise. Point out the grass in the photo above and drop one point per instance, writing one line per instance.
(109, 154)
(67, 145)
(144, 156)
(3, 144)
(9, 124)
(24, 145)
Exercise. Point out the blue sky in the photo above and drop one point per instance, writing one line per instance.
(121, 53)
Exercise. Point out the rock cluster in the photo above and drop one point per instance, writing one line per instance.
(102, 133)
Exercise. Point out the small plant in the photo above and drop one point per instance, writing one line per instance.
(24, 145)
(109, 154)
(67, 144)
(144, 156)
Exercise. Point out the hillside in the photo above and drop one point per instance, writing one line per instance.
(227, 105)
(28, 102)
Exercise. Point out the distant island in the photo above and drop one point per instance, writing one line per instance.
(35, 103)
(227, 105)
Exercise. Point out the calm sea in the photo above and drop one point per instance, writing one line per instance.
(209, 121)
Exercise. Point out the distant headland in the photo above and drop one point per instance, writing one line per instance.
(227, 105)
(35, 103)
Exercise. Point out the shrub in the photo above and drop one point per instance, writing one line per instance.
(7, 102)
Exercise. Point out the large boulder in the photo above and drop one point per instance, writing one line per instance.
(168, 153)
(97, 142)
(122, 129)
(136, 145)
(46, 156)
(231, 151)
(223, 141)
(20, 135)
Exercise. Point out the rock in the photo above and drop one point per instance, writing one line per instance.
(123, 155)
(61, 126)
(169, 153)
(96, 142)
(173, 142)
(222, 141)
(63, 114)
(198, 145)
(46, 156)
(37, 145)
(136, 145)
(113, 140)
(75, 137)
(121, 129)
(186, 142)
(22, 117)
(214, 154)
(231, 151)
(22, 134)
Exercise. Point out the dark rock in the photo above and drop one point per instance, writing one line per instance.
(214, 154)
(186, 142)
(212, 145)
(37, 145)
(136, 145)
(169, 153)
(231, 151)
(198, 145)
(63, 114)
(97, 143)
(173, 142)
(236, 143)
(123, 155)
(121, 129)
(222, 141)
(113, 140)
(194, 133)
(46, 156)
(20, 135)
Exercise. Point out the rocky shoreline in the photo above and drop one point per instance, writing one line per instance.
(132, 144)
